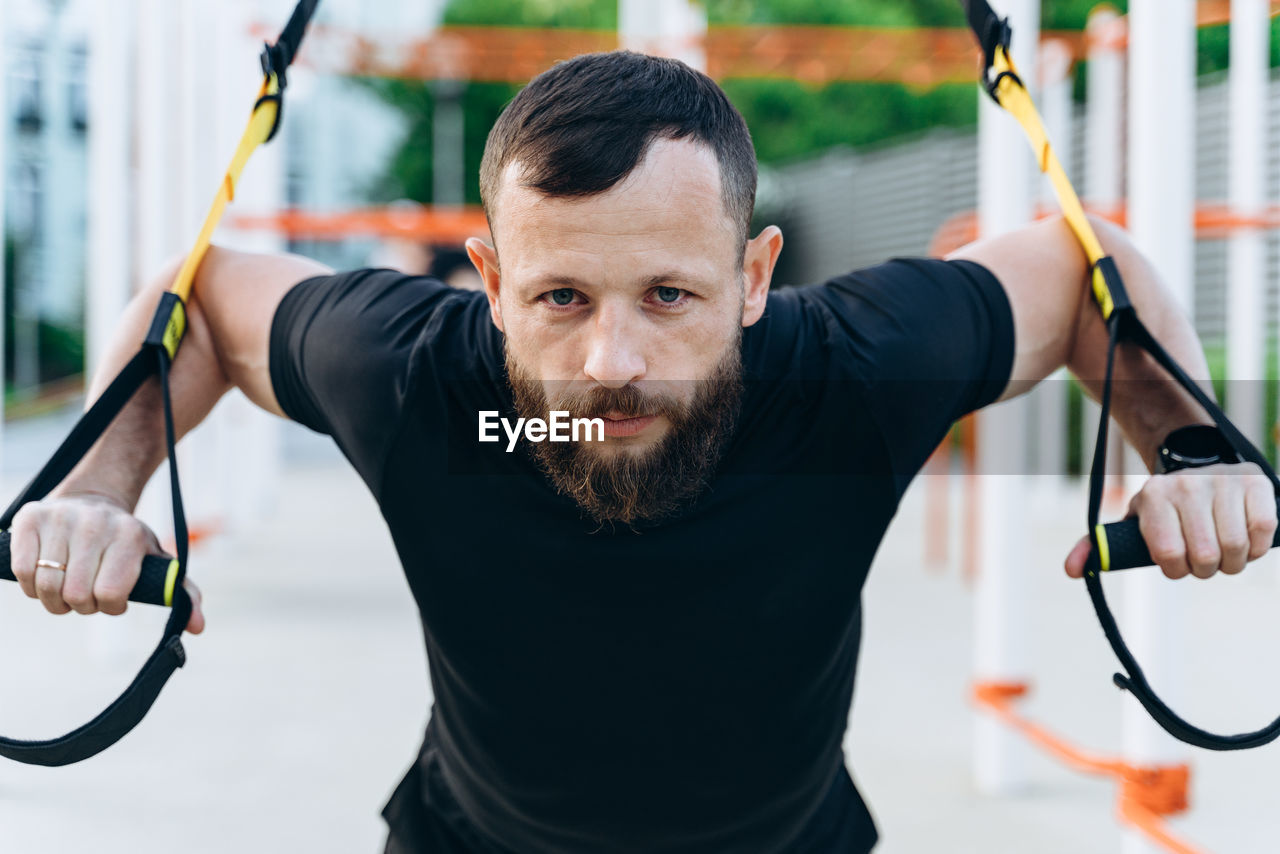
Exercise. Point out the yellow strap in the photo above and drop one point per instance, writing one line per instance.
(1015, 98)
(260, 125)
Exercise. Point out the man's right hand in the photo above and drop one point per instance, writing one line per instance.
(100, 543)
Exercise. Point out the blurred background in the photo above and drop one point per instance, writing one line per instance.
(116, 121)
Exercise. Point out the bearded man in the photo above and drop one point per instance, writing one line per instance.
(645, 642)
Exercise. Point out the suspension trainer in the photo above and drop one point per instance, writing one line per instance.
(1118, 545)
(161, 579)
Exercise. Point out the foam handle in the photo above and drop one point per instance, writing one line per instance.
(150, 587)
(1127, 548)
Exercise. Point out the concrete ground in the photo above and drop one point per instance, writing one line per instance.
(303, 703)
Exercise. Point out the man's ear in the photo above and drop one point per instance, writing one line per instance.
(485, 259)
(758, 261)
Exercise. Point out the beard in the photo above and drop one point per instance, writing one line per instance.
(660, 480)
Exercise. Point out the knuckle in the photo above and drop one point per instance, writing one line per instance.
(77, 596)
(1167, 554)
(27, 516)
(1235, 544)
(112, 600)
(59, 515)
(1204, 554)
(1262, 527)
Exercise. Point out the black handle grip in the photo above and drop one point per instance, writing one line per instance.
(150, 587)
(1128, 550)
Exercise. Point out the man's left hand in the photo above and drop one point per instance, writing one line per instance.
(1200, 521)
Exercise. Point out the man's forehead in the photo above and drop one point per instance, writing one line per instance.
(677, 181)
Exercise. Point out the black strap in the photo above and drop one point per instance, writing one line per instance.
(992, 32)
(1122, 322)
(154, 358)
(131, 706)
(276, 58)
(1125, 325)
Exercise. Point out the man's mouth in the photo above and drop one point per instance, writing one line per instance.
(618, 426)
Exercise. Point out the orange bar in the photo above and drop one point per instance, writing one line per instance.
(429, 225)
(1213, 221)
(1146, 793)
(921, 58)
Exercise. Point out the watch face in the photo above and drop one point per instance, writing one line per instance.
(1195, 447)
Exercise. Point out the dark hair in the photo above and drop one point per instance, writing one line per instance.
(582, 126)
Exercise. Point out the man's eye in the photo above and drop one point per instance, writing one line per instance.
(666, 294)
(562, 296)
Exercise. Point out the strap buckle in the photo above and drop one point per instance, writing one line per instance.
(168, 325)
(275, 60)
(997, 35)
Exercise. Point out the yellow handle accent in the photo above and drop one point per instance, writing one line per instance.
(1015, 98)
(260, 125)
(175, 329)
(170, 582)
(1104, 551)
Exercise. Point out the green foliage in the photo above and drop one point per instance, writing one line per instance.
(788, 120)
(61, 348)
(409, 175)
(576, 14)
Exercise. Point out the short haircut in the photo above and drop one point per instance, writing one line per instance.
(582, 126)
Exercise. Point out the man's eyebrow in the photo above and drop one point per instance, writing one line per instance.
(564, 280)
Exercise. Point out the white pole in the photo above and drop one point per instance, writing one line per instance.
(1006, 194)
(1104, 178)
(108, 273)
(248, 439)
(4, 182)
(1161, 209)
(157, 99)
(665, 27)
(1246, 259)
(1050, 398)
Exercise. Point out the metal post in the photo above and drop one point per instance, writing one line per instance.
(247, 439)
(1006, 194)
(4, 182)
(1050, 398)
(107, 274)
(1107, 33)
(1246, 259)
(1161, 209)
(449, 168)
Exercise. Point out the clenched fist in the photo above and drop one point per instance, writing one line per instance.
(84, 553)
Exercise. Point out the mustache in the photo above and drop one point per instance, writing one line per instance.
(627, 402)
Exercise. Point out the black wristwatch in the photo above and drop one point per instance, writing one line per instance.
(1194, 447)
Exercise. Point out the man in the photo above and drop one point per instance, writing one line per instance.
(643, 640)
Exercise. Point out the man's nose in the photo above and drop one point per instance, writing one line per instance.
(614, 355)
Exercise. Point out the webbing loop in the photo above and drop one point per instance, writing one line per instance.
(154, 359)
(1108, 291)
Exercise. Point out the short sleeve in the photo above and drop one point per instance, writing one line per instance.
(929, 340)
(341, 357)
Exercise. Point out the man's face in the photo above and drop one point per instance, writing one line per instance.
(627, 305)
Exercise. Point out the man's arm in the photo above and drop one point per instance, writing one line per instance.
(1194, 522)
(87, 522)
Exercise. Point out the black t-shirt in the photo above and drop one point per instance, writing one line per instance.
(684, 688)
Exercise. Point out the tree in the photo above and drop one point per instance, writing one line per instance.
(788, 119)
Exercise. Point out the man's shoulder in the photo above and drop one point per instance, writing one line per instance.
(855, 315)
